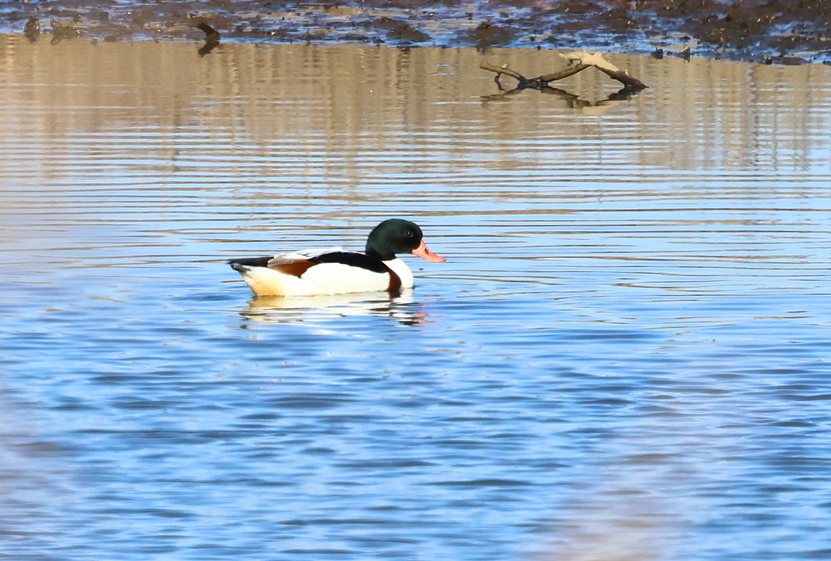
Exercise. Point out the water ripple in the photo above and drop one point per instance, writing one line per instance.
(623, 358)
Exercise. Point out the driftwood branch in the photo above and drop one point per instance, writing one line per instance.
(578, 61)
(524, 83)
(502, 70)
(612, 71)
(564, 73)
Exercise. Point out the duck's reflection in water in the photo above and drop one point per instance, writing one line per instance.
(399, 306)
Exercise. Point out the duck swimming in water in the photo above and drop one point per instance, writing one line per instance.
(319, 272)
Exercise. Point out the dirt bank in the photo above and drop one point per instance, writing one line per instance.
(774, 31)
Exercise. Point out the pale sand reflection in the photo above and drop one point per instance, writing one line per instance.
(401, 307)
(631, 523)
(372, 97)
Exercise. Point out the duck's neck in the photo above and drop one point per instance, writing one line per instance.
(372, 251)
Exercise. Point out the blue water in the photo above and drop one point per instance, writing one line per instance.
(625, 357)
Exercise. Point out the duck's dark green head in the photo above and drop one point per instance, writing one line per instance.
(398, 236)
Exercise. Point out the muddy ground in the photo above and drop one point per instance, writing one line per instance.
(770, 31)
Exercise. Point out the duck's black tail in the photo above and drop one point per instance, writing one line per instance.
(244, 263)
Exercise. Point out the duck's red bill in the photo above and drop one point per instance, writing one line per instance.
(424, 252)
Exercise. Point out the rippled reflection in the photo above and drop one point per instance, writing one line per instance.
(625, 356)
(400, 307)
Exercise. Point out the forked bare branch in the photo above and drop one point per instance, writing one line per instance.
(578, 61)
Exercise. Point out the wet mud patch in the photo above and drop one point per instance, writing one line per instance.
(773, 31)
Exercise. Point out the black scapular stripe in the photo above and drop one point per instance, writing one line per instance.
(353, 260)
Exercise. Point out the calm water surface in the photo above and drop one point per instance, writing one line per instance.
(626, 356)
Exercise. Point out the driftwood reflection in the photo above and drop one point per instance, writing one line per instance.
(32, 29)
(212, 37)
(573, 101)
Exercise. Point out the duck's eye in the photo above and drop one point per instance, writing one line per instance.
(410, 233)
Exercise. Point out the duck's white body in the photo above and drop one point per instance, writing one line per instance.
(326, 279)
(334, 271)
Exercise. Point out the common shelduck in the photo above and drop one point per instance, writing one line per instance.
(310, 273)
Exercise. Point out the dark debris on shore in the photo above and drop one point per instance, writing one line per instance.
(772, 31)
